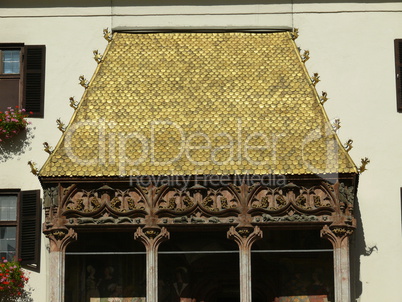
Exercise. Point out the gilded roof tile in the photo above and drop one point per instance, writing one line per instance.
(199, 103)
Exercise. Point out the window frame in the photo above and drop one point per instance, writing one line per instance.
(24, 76)
(18, 223)
(8, 223)
(12, 46)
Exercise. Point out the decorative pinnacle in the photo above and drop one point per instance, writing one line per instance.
(97, 56)
(323, 97)
(336, 124)
(107, 35)
(295, 33)
(83, 82)
(305, 56)
(73, 103)
(60, 125)
(364, 162)
(315, 79)
(47, 148)
(34, 170)
(349, 145)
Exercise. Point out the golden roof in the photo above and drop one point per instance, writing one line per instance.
(199, 103)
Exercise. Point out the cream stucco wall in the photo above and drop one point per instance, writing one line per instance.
(351, 46)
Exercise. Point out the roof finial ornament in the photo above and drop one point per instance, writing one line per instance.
(97, 56)
(294, 33)
(323, 97)
(107, 34)
(305, 56)
(336, 124)
(349, 145)
(364, 161)
(83, 82)
(73, 103)
(315, 79)
(34, 170)
(60, 125)
(47, 148)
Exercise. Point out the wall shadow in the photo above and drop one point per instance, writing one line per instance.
(17, 145)
(358, 249)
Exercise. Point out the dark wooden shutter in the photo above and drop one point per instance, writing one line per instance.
(34, 82)
(398, 72)
(30, 229)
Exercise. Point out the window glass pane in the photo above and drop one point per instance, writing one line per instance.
(292, 265)
(8, 242)
(8, 207)
(102, 267)
(11, 61)
(198, 266)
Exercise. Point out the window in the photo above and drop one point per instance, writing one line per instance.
(398, 73)
(103, 265)
(20, 220)
(22, 77)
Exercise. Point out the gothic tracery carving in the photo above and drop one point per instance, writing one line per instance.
(105, 205)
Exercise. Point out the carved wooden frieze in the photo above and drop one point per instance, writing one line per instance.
(317, 200)
(197, 199)
(230, 204)
(97, 202)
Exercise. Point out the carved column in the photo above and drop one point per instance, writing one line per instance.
(152, 237)
(59, 239)
(339, 237)
(245, 237)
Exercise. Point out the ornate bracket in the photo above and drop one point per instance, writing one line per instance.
(60, 238)
(245, 236)
(336, 234)
(151, 237)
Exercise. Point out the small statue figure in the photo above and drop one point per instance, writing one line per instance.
(73, 103)
(34, 170)
(315, 79)
(107, 35)
(305, 56)
(83, 82)
(336, 124)
(348, 145)
(47, 148)
(295, 33)
(60, 125)
(97, 56)
(323, 97)
(364, 161)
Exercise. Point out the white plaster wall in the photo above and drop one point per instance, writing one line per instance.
(69, 45)
(354, 56)
(351, 46)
